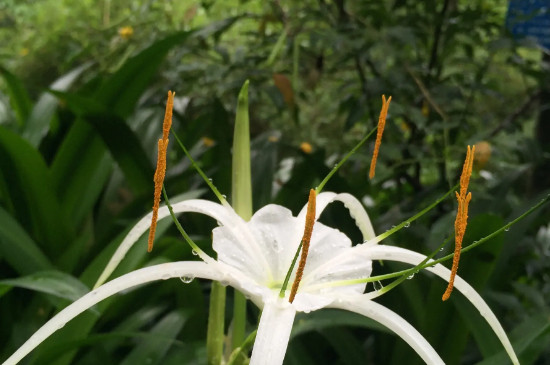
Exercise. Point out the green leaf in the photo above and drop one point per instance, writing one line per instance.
(52, 282)
(18, 249)
(80, 170)
(38, 123)
(121, 92)
(19, 98)
(525, 338)
(30, 193)
(152, 350)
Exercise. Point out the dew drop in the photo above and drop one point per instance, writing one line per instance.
(195, 253)
(186, 279)
(407, 224)
(165, 277)
(61, 325)
(210, 179)
(441, 249)
(410, 276)
(224, 282)
(224, 196)
(507, 228)
(392, 227)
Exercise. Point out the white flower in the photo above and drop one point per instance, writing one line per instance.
(254, 257)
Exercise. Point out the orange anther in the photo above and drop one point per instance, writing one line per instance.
(379, 132)
(461, 216)
(161, 167)
(306, 238)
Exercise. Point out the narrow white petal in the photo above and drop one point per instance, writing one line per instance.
(382, 252)
(224, 215)
(393, 321)
(273, 333)
(187, 269)
(356, 211)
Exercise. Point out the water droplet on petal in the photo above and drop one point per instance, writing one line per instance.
(507, 229)
(441, 249)
(410, 276)
(195, 253)
(407, 224)
(377, 285)
(224, 282)
(186, 279)
(165, 277)
(224, 196)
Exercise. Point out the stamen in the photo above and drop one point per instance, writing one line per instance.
(381, 125)
(161, 167)
(306, 238)
(461, 216)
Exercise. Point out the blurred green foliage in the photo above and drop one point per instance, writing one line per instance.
(81, 104)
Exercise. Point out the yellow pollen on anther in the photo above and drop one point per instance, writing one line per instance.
(379, 132)
(461, 220)
(306, 238)
(161, 167)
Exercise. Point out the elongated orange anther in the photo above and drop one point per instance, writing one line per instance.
(161, 167)
(379, 132)
(461, 216)
(306, 238)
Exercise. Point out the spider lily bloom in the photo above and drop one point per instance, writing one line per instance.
(254, 257)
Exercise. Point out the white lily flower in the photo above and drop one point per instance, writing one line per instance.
(254, 257)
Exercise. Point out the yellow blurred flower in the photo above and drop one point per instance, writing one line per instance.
(483, 154)
(208, 142)
(306, 147)
(23, 52)
(126, 32)
(273, 139)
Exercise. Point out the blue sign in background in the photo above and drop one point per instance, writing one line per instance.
(530, 18)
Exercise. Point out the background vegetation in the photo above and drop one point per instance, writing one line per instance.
(81, 103)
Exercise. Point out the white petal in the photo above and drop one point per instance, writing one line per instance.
(273, 333)
(393, 321)
(342, 264)
(188, 269)
(263, 248)
(224, 215)
(382, 252)
(356, 211)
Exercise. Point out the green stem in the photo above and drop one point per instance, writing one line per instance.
(201, 173)
(320, 187)
(216, 320)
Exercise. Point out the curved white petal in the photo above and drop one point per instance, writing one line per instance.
(187, 269)
(224, 215)
(273, 333)
(383, 252)
(356, 211)
(393, 321)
